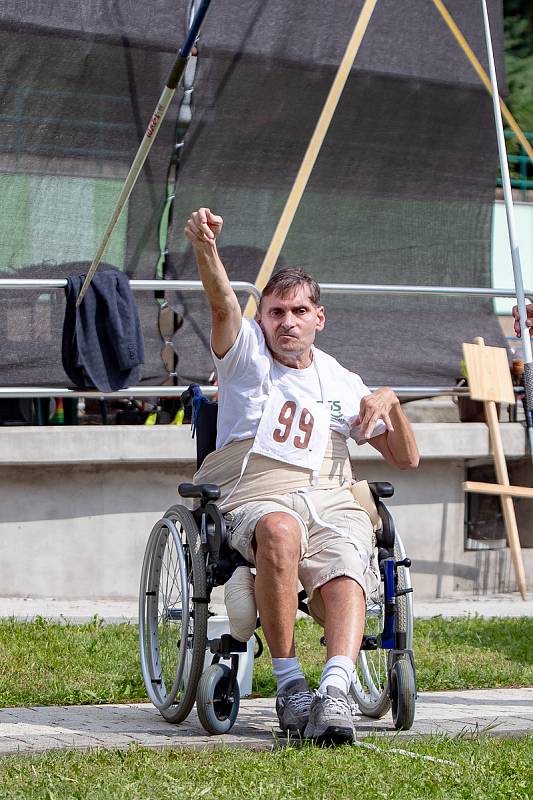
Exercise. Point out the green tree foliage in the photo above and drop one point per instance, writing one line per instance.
(518, 26)
(518, 33)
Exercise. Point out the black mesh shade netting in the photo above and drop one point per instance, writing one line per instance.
(401, 193)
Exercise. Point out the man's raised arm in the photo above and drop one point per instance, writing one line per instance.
(201, 229)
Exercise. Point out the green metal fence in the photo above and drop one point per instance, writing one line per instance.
(520, 165)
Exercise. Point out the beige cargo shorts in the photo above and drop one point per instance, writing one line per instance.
(337, 538)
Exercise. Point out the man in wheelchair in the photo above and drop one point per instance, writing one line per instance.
(285, 411)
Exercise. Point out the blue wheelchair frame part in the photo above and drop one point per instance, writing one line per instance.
(197, 399)
(388, 640)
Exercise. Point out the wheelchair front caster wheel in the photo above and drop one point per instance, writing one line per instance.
(217, 708)
(402, 694)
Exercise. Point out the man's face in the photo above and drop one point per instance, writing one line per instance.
(290, 324)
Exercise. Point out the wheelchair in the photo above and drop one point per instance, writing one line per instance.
(187, 556)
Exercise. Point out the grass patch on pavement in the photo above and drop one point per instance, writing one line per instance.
(48, 663)
(483, 767)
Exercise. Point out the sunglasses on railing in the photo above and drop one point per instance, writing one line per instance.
(169, 321)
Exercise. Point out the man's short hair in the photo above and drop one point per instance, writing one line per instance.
(289, 280)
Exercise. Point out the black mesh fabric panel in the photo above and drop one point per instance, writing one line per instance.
(401, 193)
(74, 106)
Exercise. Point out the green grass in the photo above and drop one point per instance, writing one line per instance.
(483, 768)
(48, 663)
(474, 653)
(460, 653)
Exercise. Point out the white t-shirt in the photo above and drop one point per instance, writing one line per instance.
(248, 370)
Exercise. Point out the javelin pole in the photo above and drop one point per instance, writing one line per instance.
(515, 252)
(148, 139)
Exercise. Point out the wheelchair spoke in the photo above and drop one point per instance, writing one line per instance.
(172, 570)
(173, 635)
(372, 664)
(169, 632)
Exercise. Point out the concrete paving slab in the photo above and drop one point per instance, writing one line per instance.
(501, 605)
(113, 611)
(503, 712)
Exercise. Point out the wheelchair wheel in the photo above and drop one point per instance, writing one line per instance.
(403, 694)
(217, 708)
(370, 684)
(173, 614)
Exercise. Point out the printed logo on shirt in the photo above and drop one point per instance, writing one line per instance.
(335, 409)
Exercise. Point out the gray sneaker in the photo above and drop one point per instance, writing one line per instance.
(292, 706)
(330, 718)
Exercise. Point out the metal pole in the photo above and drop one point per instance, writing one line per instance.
(515, 252)
(158, 284)
(148, 139)
(154, 285)
(176, 391)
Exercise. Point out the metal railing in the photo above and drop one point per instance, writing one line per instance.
(136, 285)
(249, 288)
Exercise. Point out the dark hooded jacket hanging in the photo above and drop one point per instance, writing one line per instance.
(102, 343)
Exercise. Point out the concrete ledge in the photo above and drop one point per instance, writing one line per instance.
(134, 444)
(456, 440)
(78, 504)
(25, 446)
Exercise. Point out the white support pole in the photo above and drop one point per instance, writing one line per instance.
(511, 227)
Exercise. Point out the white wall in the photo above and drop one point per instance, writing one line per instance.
(502, 266)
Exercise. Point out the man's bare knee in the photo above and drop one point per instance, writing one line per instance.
(277, 539)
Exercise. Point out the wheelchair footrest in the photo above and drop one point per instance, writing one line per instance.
(227, 645)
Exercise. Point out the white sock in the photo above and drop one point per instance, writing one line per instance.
(286, 670)
(337, 672)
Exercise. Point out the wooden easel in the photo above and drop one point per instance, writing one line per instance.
(489, 380)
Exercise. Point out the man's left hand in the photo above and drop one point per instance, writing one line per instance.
(375, 406)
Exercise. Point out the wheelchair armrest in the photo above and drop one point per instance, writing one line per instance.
(203, 491)
(381, 489)
(386, 535)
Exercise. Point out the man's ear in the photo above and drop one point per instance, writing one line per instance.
(321, 318)
(258, 318)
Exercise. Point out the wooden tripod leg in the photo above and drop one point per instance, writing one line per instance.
(508, 511)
